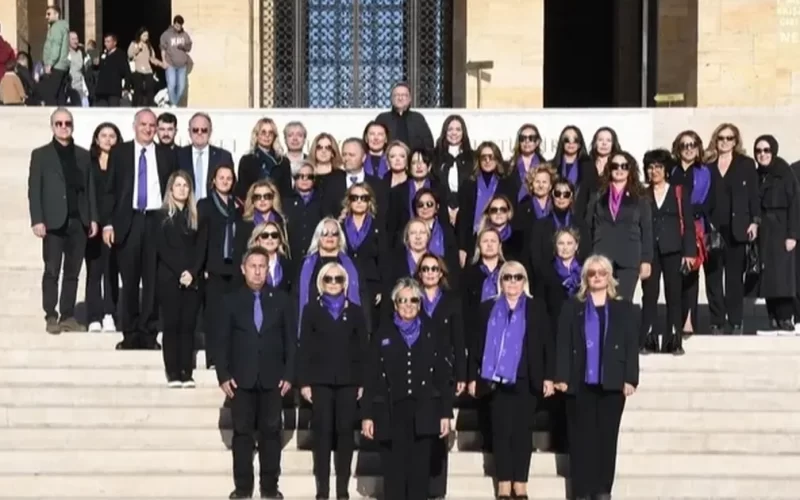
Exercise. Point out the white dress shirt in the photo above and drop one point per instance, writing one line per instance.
(200, 171)
(154, 196)
(359, 177)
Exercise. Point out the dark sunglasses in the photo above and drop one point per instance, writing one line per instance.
(426, 204)
(591, 273)
(497, 210)
(562, 194)
(513, 277)
(265, 196)
(64, 124)
(619, 166)
(570, 140)
(688, 145)
(359, 197)
(429, 269)
(764, 151)
(304, 177)
(338, 279)
(487, 157)
(528, 137)
(333, 233)
(404, 300)
(269, 235)
(324, 147)
(726, 138)
(199, 130)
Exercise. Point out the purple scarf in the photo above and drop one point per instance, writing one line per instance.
(557, 220)
(485, 194)
(412, 192)
(306, 197)
(489, 287)
(505, 232)
(614, 201)
(306, 272)
(436, 245)
(541, 211)
(429, 306)
(334, 304)
(412, 264)
(569, 171)
(593, 338)
(701, 184)
(505, 334)
(258, 217)
(355, 236)
(274, 278)
(570, 277)
(409, 330)
(383, 167)
(523, 189)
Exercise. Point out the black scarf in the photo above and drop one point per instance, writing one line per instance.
(72, 175)
(267, 160)
(228, 211)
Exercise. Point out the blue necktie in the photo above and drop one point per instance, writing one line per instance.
(141, 195)
(353, 180)
(258, 314)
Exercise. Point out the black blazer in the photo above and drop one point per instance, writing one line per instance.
(626, 241)
(213, 223)
(47, 188)
(396, 372)
(468, 197)
(301, 219)
(541, 244)
(398, 214)
(740, 186)
(548, 284)
(448, 321)
(410, 127)
(471, 286)
(371, 257)
(667, 237)
(250, 171)
(289, 273)
(256, 358)
(216, 157)
(118, 199)
(178, 249)
(686, 178)
(463, 164)
(332, 351)
(334, 188)
(538, 348)
(620, 352)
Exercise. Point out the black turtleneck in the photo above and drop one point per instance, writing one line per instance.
(72, 175)
(487, 176)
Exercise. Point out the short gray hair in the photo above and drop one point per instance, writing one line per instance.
(404, 283)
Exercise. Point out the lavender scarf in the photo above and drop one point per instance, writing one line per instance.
(489, 287)
(570, 276)
(569, 171)
(306, 197)
(523, 189)
(505, 232)
(383, 167)
(485, 193)
(614, 201)
(306, 272)
(436, 245)
(505, 335)
(542, 211)
(429, 305)
(334, 304)
(412, 193)
(258, 217)
(274, 278)
(412, 264)
(409, 330)
(591, 328)
(355, 236)
(557, 220)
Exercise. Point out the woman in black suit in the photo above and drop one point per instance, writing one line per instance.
(574, 164)
(406, 256)
(265, 161)
(302, 209)
(736, 215)
(331, 358)
(262, 204)
(443, 307)
(537, 202)
(397, 155)
(408, 399)
(480, 277)
(443, 242)
(499, 215)
(453, 159)
(513, 361)
(280, 272)
(180, 258)
(597, 367)
(527, 156)
(487, 180)
(376, 138)
(674, 251)
(620, 223)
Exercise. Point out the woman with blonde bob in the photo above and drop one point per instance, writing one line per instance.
(511, 365)
(597, 367)
(266, 160)
(270, 237)
(263, 204)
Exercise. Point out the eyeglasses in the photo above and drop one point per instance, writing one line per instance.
(426, 204)
(324, 147)
(591, 273)
(487, 157)
(430, 269)
(338, 279)
(570, 140)
(199, 130)
(562, 194)
(497, 210)
(333, 233)
(528, 137)
(726, 138)
(359, 197)
(63, 124)
(304, 177)
(269, 235)
(407, 300)
(763, 151)
(688, 145)
(619, 166)
(513, 277)
(263, 196)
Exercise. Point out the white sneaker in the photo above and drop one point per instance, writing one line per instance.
(174, 384)
(786, 333)
(769, 333)
(189, 384)
(95, 326)
(797, 328)
(108, 324)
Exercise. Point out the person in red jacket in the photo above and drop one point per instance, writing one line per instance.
(6, 54)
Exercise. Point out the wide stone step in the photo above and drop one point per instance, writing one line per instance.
(201, 486)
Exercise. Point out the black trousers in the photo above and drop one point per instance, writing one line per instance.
(102, 280)
(627, 278)
(53, 88)
(780, 308)
(593, 418)
(66, 244)
(137, 263)
(796, 304)
(439, 467)
(668, 265)
(333, 418)
(143, 89)
(256, 409)
(179, 317)
(690, 292)
(214, 289)
(729, 262)
(107, 101)
(512, 408)
(405, 458)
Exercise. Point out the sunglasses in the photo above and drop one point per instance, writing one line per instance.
(426, 204)
(562, 194)
(528, 137)
(570, 140)
(63, 124)
(269, 235)
(763, 151)
(688, 145)
(359, 197)
(333, 233)
(324, 147)
(338, 279)
(513, 277)
(430, 269)
(497, 210)
(410, 300)
(619, 166)
(726, 138)
(264, 196)
(591, 273)
(487, 157)
(199, 130)
(304, 177)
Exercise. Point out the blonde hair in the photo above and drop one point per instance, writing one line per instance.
(313, 247)
(404, 283)
(476, 255)
(484, 220)
(542, 168)
(283, 248)
(372, 207)
(711, 154)
(276, 141)
(401, 145)
(171, 206)
(603, 262)
(332, 266)
(249, 206)
(512, 266)
(415, 220)
(570, 231)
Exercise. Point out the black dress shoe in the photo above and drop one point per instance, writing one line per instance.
(240, 494)
(276, 493)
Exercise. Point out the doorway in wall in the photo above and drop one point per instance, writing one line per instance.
(125, 18)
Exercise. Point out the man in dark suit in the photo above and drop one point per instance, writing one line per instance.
(354, 153)
(403, 124)
(63, 209)
(138, 172)
(200, 159)
(255, 366)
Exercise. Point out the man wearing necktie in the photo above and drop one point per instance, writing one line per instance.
(354, 153)
(200, 159)
(138, 171)
(255, 362)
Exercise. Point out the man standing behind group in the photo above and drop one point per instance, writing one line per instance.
(175, 46)
(200, 159)
(403, 123)
(137, 180)
(167, 130)
(55, 58)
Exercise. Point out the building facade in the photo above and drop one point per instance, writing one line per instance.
(461, 53)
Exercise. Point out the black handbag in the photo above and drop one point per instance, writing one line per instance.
(752, 259)
(713, 239)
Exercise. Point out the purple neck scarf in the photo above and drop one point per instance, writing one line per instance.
(412, 264)
(505, 232)
(570, 276)
(523, 189)
(275, 277)
(429, 305)
(505, 334)
(489, 287)
(355, 236)
(569, 171)
(591, 328)
(307, 271)
(614, 201)
(542, 211)
(409, 330)
(557, 220)
(334, 304)
(436, 245)
(258, 217)
(485, 193)
(306, 197)
(701, 184)
(383, 167)
(412, 192)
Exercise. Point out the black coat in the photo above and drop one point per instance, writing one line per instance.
(445, 162)
(334, 188)
(667, 235)
(471, 286)
(398, 213)
(627, 240)
(448, 320)
(213, 221)
(371, 258)
(301, 220)
(541, 244)
(410, 127)
(250, 171)
(620, 352)
(468, 196)
(740, 186)
(178, 249)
